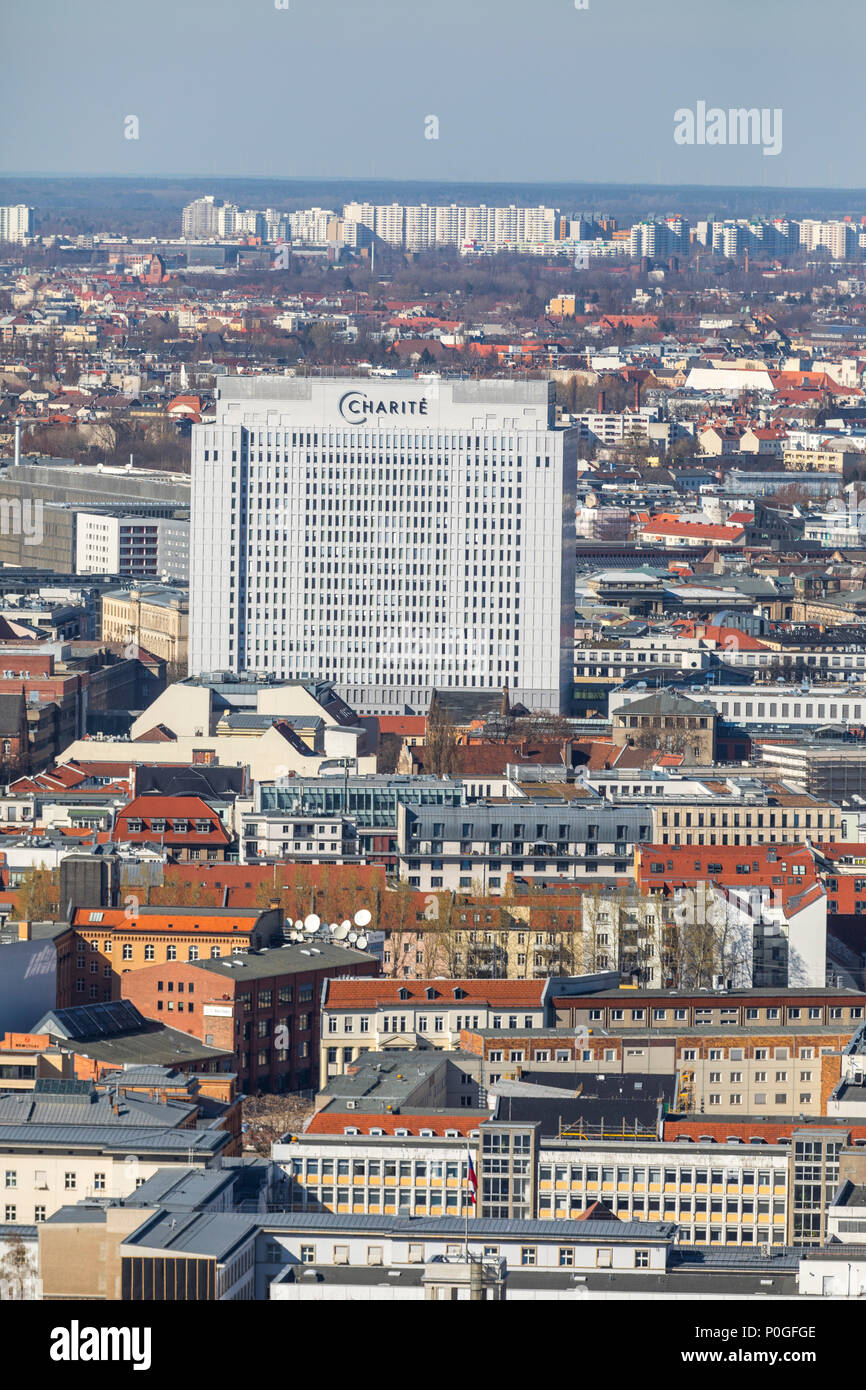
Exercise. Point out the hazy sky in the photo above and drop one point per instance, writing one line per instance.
(522, 89)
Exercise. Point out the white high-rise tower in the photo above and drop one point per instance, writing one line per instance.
(393, 537)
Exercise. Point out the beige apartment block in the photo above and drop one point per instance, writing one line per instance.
(155, 619)
(777, 816)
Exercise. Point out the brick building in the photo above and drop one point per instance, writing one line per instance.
(261, 1005)
(101, 945)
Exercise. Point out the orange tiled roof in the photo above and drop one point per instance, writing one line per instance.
(178, 919)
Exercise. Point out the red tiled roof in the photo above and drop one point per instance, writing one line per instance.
(158, 734)
(771, 1131)
(711, 633)
(402, 723)
(338, 1121)
(700, 530)
(170, 809)
(691, 864)
(369, 994)
(837, 849)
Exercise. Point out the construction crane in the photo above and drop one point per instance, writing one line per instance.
(686, 1092)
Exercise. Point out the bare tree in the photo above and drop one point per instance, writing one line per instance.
(268, 1117)
(38, 894)
(16, 1270)
(440, 742)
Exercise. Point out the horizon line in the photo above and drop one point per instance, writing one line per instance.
(457, 182)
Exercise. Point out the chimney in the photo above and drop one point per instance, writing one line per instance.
(637, 395)
(17, 442)
(602, 397)
(25, 931)
(274, 904)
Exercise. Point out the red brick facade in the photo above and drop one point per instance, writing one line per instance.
(243, 1016)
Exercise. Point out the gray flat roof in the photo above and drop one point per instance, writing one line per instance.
(715, 998)
(414, 1227)
(290, 959)
(213, 1234)
(185, 1187)
(125, 1139)
(82, 1216)
(731, 1284)
(646, 1033)
(157, 1048)
(90, 1108)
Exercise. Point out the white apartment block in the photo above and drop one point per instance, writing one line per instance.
(141, 546)
(16, 223)
(419, 227)
(787, 706)
(310, 225)
(393, 538)
(694, 654)
(200, 219)
(38, 1181)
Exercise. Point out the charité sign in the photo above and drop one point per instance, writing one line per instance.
(357, 406)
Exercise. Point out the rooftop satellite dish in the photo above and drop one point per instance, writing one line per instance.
(353, 937)
(342, 931)
(361, 943)
(347, 924)
(363, 918)
(312, 923)
(333, 927)
(299, 924)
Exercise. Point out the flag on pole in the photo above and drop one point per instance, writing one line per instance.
(473, 1181)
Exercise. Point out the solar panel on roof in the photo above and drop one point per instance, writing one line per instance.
(57, 1085)
(99, 1020)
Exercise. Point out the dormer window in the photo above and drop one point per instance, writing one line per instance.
(459, 993)
(404, 993)
(431, 992)
(159, 825)
(135, 825)
(181, 826)
(202, 827)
